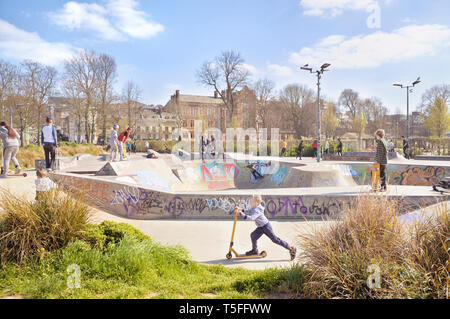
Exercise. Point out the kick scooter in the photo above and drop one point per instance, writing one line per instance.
(232, 251)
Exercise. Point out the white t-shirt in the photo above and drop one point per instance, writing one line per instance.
(44, 184)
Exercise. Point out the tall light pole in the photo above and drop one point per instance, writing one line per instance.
(319, 76)
(408, 90)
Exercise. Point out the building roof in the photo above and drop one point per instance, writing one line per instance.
(199, 99)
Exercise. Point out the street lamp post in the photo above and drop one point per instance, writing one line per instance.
(319, 76)
(408, 90)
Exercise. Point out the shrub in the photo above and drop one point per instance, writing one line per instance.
(32, 227)
(110, 233)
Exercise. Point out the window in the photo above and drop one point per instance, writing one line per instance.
(192, 111)
(192, 123)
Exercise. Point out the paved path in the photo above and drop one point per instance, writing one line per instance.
(206, 240)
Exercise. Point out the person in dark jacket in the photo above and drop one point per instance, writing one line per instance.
(381, 157)
(406, 147)
(300, 149)
(339, 147)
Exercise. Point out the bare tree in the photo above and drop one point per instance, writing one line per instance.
(131, 96)
(83, 71)
(264, 91)
(350, 101)
(7, 74)
(18, 101)
(75, 103)
(430, 95)
(106, 76)
(40, 82)
(298, 101)
(226, 74)
(375, 113)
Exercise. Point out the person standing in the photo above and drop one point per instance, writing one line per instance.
(406, 147)
(283, 148)
(314, 146)
(212, 147)
(114, 142)
(122, 140)
(327, 147)
(381, 157)
(49, 140)
(147, 146)
(300, 149)
(340, 147)
(10, 139)
(391, 146)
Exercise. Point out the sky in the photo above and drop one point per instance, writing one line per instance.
(160, 45)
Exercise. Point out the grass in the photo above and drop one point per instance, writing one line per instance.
(134, 268)
(27, 155)
(40, 240)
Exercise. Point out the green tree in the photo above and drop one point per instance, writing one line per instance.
(330, 121)
(438, 120)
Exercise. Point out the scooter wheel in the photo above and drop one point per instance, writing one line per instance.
(263, 253)
(229, 256)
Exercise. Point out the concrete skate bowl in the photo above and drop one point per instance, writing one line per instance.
(167, 188)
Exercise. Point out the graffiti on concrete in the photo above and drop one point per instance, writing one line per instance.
(257, 170)
(418, 176)
(218, 171)
(177, 206)
(152, 180)
(279, 176)
(297, 206)
(227, 204)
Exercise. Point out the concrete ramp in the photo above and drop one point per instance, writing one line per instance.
(152, 173)
(318, 176)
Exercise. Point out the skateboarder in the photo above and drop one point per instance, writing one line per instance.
(381, 157)
(10, 139)
(256, 213)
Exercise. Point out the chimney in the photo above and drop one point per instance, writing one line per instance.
(215, 94)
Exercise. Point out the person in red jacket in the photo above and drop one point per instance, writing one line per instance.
(123, 137)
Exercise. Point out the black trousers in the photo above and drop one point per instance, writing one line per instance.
(383, 175)
(49, 149)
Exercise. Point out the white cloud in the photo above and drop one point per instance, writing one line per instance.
(375, 49)
(252, 69)
(19, 44)
(279, 70)
(115, 20)
(334, 8)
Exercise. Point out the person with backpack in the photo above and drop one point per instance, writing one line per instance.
(10, 140)
(49, 140)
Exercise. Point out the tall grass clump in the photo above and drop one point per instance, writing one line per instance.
(430, 250)
(368, 233)
(30, 228)
(368, 242)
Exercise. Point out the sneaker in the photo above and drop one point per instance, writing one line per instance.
(17, 171)
(251, 252)
(293, 252)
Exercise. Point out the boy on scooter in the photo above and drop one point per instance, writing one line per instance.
(256, 213)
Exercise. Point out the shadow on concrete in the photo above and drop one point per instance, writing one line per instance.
(238, 261)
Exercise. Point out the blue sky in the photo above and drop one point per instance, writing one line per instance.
(371, 44)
